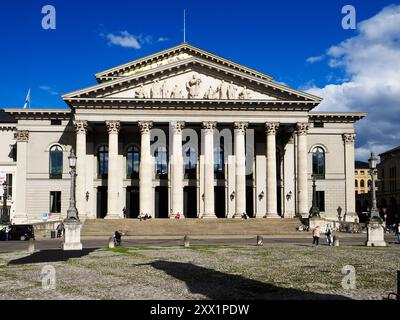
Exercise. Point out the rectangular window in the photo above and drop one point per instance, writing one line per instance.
(321, 200)
(383, 180)
(55, 201)
(9, 179)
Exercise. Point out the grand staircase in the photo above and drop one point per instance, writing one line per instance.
(192, 227)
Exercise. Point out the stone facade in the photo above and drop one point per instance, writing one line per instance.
(187, 132)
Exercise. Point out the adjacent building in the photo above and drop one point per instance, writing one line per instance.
(180, 131)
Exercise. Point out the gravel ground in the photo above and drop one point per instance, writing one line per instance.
(279, 271)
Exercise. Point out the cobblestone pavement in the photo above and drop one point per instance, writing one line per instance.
(276, 271)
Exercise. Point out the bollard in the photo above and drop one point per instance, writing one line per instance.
(335, 242)
(186, 241)
(111, 243)
(260, 241)
(31, 246)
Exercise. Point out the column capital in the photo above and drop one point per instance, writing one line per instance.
(80, 126)
(22, 136)
(349, 137)
(113, 126)
(240, 127)
(145, 126)
(271, 128)
(178, 126)
(209, 126)
(302, 128)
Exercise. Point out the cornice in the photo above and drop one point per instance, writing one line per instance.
(337, 116)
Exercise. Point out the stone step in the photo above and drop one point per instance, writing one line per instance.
(171, 227)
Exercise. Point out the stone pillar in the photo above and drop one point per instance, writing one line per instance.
(81, 128)
(270, 130)
(22, 138)
(113, 167)
(302, 174)
(209, 210)
(240, 169)
(145, 170)
(289, 179)
(177, 169)
(350, 213)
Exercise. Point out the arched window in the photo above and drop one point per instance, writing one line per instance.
(161, 157)
(362, 184)
(318, 163)
(56, 162)
(132, 162)
(102, 158)
(190, 160)
(219, 162)
(356, 183)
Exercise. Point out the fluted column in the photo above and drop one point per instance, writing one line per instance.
(113, 128)
(209, 209)
(145, 170)
(302, 174)
(177, 169)
(80, 129)
(348, 139)
(20, 216)
(270, 130)
(240, 169)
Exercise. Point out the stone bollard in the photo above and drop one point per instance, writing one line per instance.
(186, 241)
(335, 241)
(31, 246)
(111, 243)
(260, 241)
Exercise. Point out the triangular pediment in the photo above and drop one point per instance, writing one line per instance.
(189, 77)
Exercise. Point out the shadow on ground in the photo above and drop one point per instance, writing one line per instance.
(218, 285)
(51, 256)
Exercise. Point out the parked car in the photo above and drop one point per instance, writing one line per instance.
(21, 232)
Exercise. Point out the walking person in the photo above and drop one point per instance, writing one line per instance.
(329, 234)
(398, 232)
(316, 236)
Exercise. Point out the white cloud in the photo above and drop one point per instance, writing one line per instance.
(124, 39)
(315, 59)
(371, 61)
(48, 90)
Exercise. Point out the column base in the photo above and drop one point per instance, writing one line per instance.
(237, 215)
(351, 217)
(272, 216)
(72, 236)
(111, 216)
(209, 216)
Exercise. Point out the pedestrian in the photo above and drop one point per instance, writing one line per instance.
(316, 235)
(178, 216)
(124, 212)
(329, 233)
(59, 230)
(398, 233)
(8, 229)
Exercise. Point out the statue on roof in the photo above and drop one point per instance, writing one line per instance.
(193, 86)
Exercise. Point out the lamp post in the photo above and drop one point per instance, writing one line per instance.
(72, 212)
(5, 218)
(374, 214)
(375, 232)
(314, 209)
(72, 225)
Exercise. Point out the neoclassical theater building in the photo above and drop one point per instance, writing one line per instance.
(180, 131)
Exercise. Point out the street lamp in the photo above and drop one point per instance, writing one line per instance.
(5, 218)
(374, 215)
(314, 212)
(72, 212)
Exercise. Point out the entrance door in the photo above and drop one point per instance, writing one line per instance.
(250, 201)
(161, 198)
(101, 202)
(219, 200)
(132, 202)
(190, 202)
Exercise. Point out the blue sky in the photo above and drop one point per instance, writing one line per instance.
(273, 37)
